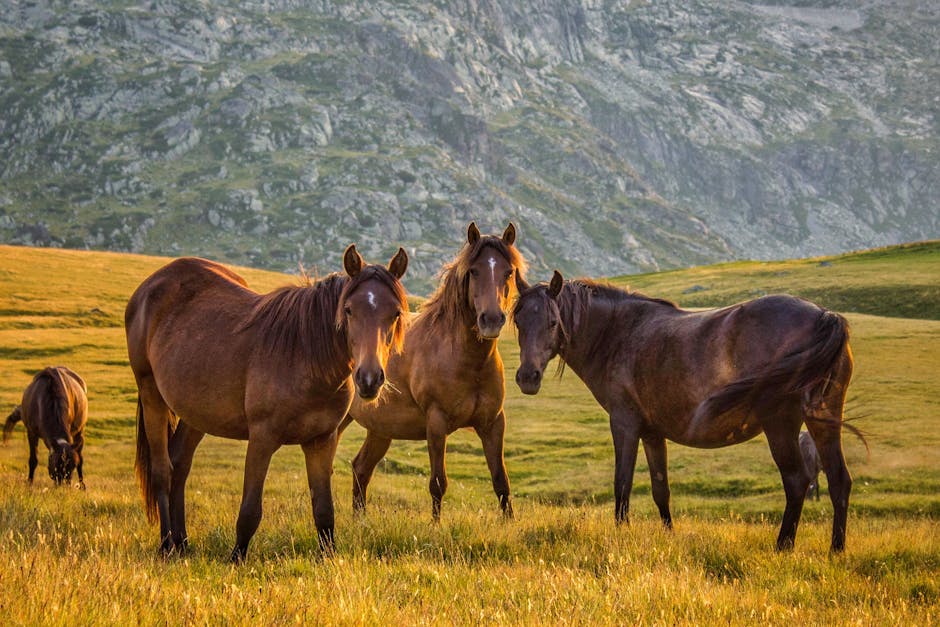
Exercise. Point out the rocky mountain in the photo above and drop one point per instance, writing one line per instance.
(619, 136)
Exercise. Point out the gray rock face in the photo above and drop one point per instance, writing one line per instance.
(619, 136)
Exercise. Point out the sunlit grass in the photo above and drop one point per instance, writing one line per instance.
(92, 555)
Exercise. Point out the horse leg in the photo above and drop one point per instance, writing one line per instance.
(373, 450)
(783, 432)
(437, 444)
(492, 438)
(624, 427)
(824, 422)
(156, 419)
(182, 448)
(654, 445)
(319, 455)
(33, 440)
(78, 444)
(257, 460)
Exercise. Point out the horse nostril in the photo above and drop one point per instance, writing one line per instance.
(381, 378)
(502, 318)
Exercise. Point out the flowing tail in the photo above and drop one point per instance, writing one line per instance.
(805, 371)
(15, 416)
(143, 468)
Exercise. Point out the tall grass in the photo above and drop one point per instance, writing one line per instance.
(91, 557)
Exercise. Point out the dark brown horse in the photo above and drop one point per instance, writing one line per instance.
(54, 408)
(272, 369)
(703, 379)
(449, 374)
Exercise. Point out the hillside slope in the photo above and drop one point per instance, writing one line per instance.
(622, 137)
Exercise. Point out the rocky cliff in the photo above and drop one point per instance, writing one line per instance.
(619, 136)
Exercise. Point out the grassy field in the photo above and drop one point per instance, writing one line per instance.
(91, 557)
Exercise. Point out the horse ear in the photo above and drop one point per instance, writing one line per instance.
(521, 285)
(398, 264)
(473, 234)
(352, 261)
(509, 235)
(554, 288)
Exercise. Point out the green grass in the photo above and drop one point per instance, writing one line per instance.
(897, 281)
(92, 555)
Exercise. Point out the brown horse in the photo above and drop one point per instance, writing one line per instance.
(449, 374)
(272, 369)
(703, 379)
(54, 408)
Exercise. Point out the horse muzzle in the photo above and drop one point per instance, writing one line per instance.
(369, 383)
(529, 380)
(490, 325)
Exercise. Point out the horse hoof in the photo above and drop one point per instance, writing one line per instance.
(238, 555)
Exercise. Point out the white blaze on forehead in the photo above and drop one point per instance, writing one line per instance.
(372, 301)
(492, 263)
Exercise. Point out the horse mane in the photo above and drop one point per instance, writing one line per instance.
(304, 323)
(450, 303)
(578, 295)
(296, 323)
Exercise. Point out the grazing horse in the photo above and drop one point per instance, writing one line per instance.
(54, 408)
(211, 356)
(704, 379)
(449, 374)
(811, 461)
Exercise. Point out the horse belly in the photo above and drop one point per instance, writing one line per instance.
(731, 428)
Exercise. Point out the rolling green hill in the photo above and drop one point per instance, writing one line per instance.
(92, 554)
(897, 281)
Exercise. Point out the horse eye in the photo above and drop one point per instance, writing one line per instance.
(347, 310)
(508, 275)
(553, 323)
(474, 272)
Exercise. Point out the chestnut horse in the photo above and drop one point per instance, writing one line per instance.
(449, 374)
(54, 408)
(272, 369)
(704, 379)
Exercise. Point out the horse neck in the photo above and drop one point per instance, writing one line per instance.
(591, 324)
(462, 335)
(298, 330)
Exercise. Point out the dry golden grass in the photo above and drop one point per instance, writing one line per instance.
(90, 556)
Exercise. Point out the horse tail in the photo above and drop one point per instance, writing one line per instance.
(142, 466)
(807, 371)
(15, 416)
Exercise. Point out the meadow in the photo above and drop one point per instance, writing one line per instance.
(90, 556)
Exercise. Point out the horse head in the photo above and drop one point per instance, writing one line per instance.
(62, 461)
(491, 263)
(372, 309)
(541, 333)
